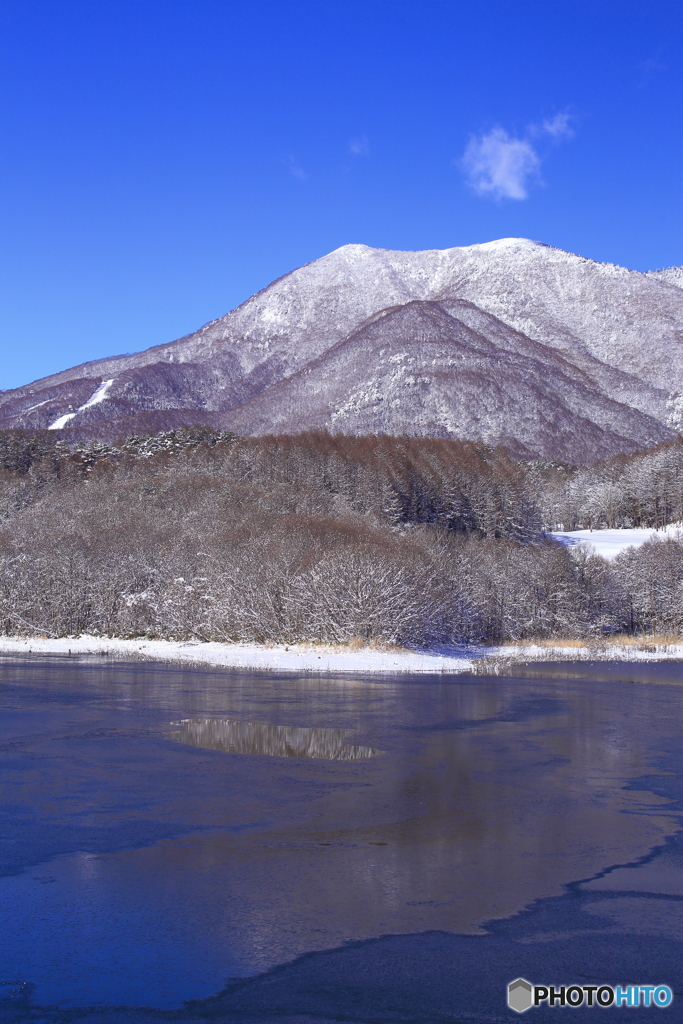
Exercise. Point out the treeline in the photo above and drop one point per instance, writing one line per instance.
(644, 489)
(459, 485)
(199, 534)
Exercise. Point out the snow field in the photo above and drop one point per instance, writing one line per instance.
(278, 658)
(324, 659)
(610, 543)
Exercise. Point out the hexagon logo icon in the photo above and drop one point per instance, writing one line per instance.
(520, 995)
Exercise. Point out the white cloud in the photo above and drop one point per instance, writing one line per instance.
(295, 169)
(559, 127)
(359, 146)
(500, 166)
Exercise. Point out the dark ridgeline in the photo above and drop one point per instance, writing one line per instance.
(199, 533)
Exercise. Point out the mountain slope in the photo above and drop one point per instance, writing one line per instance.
(510, 340)
(671, 275)
(420, 364)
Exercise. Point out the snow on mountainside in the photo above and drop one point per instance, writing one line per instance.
(430, 370)
(509, 341)
(672, 275)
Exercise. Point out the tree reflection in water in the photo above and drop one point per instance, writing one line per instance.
(234, 737)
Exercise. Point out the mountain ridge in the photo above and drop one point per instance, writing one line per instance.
(597, 346)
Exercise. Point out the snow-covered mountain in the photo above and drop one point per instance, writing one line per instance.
(672, 275)
(510, 341)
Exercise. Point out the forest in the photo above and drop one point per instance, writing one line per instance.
(200, 534)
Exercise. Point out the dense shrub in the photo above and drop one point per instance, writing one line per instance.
(201, 534)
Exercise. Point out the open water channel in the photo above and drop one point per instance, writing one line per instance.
(316, 848)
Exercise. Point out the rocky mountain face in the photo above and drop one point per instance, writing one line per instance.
(510, 342)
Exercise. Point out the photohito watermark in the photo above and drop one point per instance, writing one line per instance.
(522, 995)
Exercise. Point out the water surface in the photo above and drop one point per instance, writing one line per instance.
(165, 829)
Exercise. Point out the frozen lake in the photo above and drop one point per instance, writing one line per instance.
(394, 846)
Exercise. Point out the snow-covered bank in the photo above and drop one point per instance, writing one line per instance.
(321, 658)
(641, 649)
(610, 543)
(278, 658)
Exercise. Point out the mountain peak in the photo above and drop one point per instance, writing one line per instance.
(360, 249)
(508, 243)
(509, 341)
(352, 249)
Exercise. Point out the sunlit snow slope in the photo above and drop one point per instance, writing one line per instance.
(610, 543)
(510, 341)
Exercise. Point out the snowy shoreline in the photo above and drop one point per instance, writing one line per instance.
(324, 659)
(276, 658)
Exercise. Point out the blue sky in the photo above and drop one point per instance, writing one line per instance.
(161, 161)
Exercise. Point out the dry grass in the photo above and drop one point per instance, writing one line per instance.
(643, 642)
(621, 647)
(549, 643)
(646, 640)
(355, 643)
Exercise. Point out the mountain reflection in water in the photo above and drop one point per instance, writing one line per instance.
(234, 737)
